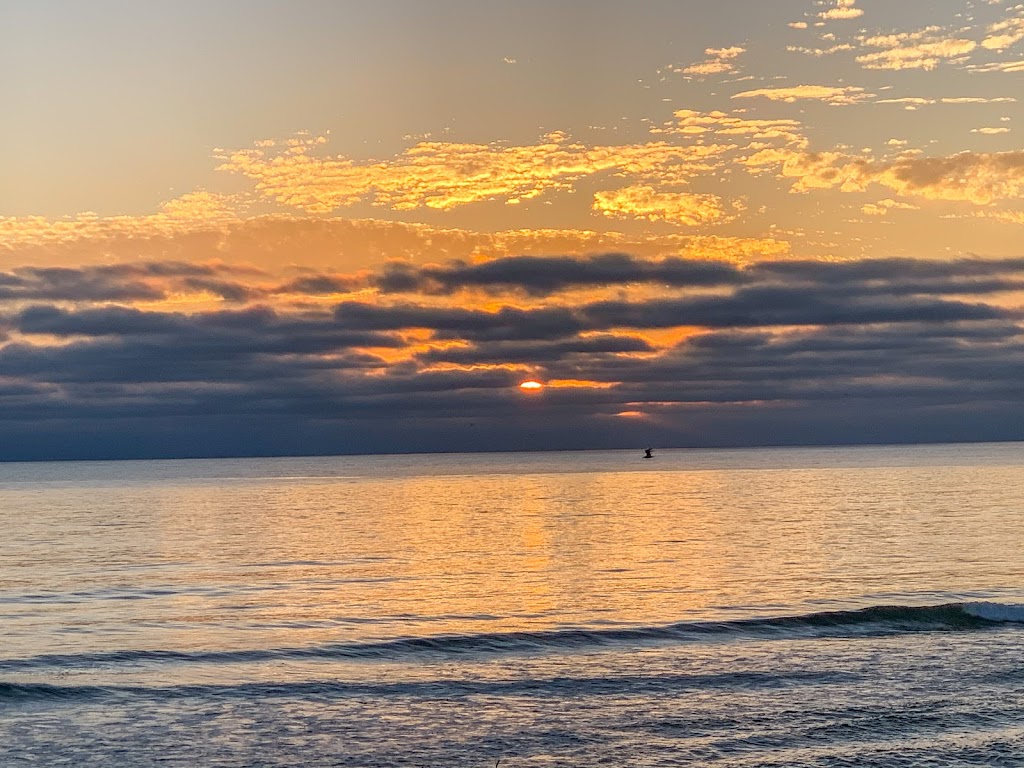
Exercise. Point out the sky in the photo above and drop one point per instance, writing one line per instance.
(262, 228)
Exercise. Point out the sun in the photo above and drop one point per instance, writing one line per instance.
(531, 386)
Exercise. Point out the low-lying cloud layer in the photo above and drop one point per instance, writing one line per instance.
(429, 357)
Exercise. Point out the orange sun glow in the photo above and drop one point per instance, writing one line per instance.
(531, 386)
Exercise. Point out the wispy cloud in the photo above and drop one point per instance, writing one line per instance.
(834, 95)
(918, 101)
(999, 66)
(977, 178)
(882, 207)
(923, 49)
(1004, 34)
(444, 176)
(843, 9)
(718, 61)
(819, 52)
(644, 202)
(280, 242)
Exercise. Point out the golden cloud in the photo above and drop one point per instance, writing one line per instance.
(1008, 217)
(277, 243)
(719, 61)
(195, 211)
(999, 66)
(839, 96)
(882, 207)
(644, 202)
(844, 9)
(1004, 217)
(978, 178)
(918, 101)
(818, 52)
(1004, 34)
(729, 126)
(924, 49)
(444, 176)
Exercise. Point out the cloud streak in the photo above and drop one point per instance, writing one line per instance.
(833, 95)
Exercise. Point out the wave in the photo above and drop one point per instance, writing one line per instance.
(613, 686)
(881, 619)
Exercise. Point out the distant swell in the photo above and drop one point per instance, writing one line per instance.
(866, 621)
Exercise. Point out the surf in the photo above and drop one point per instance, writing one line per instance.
(869, 621)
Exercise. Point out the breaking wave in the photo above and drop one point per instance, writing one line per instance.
(882, 619)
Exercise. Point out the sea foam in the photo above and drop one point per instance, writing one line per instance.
(998, 612)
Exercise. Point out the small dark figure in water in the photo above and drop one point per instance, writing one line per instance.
(648, 454)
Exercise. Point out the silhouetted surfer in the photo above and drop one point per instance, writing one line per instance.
(648, 454)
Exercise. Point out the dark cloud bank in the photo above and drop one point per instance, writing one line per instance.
(790, 352)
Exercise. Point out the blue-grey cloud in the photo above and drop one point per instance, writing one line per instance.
(542, 276)
(783, 352)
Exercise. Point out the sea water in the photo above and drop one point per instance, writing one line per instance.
(770, 607)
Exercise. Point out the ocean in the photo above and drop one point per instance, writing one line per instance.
(763, 607)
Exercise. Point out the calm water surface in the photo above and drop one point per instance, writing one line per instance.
(779, 607)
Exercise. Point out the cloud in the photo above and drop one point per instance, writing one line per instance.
(763, 294)
(1007, 217)
(777, 306)
(910, 102)
(819, 52)
(977, 100)
(924, 49)
(1004, 34)
(535, 353)
(546, 275)
(843, 9)
(274, 242)
(444, 176)
(505, 323)
(977, 178)
(918, 101)
(883, 337)
(645, 202)
(998, 66)
(194, 211)
(880, 365)
(642, 181)
(253, 330)
(719, 61)
(882, 207)
(730, 127)
(122, 282)
(834, 95)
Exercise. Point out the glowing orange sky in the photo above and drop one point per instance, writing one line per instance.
(826, 129)
(664, 212)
